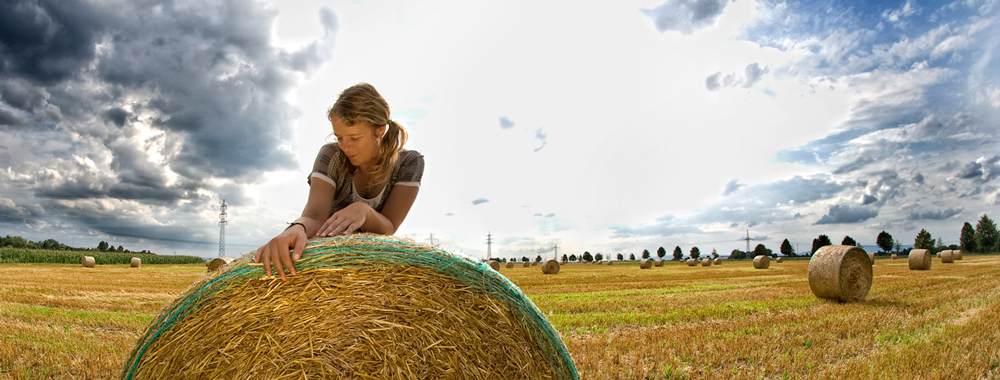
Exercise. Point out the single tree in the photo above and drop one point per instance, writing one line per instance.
(538, 258)
(678, 254)
(897, 245)
(884, 241)
(695, 253)
(571, 257)
(737, 255)
(102, 246)
(820, 242)
(967, 239)
(986, 235)
(715, 255)
(524, 259)
(621, 257)
(645, 254)
(786, 248)
(660, 252)
(587, 256)
(759, 250)
(564, 258)
(940, 245)
(631, 257)
(848, 241)
(121, 248)
(924, 241)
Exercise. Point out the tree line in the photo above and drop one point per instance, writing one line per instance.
(18, 242)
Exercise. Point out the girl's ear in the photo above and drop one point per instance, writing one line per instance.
(381, 131)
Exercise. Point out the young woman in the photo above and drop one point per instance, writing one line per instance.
(365, 181)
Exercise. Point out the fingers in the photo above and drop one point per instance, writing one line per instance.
(300, 244)
(267, 263)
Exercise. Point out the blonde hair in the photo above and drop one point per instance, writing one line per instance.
(361, 103)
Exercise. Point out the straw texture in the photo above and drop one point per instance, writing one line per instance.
(218, 263)
(361, 307)
(920, 259)
(840, 272)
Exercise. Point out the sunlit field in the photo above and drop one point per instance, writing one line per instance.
(619, 322)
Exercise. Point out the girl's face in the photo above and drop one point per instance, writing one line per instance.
(356, 141)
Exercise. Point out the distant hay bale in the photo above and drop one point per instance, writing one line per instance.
(218, 263)
(894, 256)
(947, 257)
(550, 267)
(780, 259)
(658, 263)
(920, 259)
(526, 264)
(871, 257)
(717, 261)
(840, 272)
(88, 262)
(706, 262)
(691, 262)
(957, 254)
(494, 264)
(207, 262)
(761, 262)
(938, 255)
(645, 264)
(533, 263)
(510, 264)
(361, 307)
(610, 262)
(136, 262)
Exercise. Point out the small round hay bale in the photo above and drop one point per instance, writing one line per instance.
(550, 267)
(920, 259)
(895, 256)
(510, 264)
(360, 304)
(840, 272)
(136, 262)
(692, 262)
(761, 262)
(658, 263)
(645, 264)
(207, 262)
(957, 254)
(534, 263)
(938, 255)
(706, 262)
(218, 263)
(947, 257)
(88, 262)
(780, 259)
(610, 262)
(526, 264)
(494, 264)
(717, 261)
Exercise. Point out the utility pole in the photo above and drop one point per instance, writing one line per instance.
(556, 255)
(222, 230)
(489, 245)
(432, 239)
(748, 244)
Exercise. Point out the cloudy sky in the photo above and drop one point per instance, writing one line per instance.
(608, 126)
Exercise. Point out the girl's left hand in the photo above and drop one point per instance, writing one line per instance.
(345, 221)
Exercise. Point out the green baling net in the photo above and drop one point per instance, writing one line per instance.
(365, 250)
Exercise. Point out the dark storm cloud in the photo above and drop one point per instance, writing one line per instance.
(506, 123)
(983, 169)
(154, 102)
(685, 16)
(840, 214)
(935, 215)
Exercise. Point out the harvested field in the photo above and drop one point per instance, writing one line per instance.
(63, 321)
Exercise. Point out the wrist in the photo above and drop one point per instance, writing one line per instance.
(293, 224)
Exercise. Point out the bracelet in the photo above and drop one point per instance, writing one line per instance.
(296, 223)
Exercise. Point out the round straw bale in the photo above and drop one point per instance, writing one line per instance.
(840, 272)
(938, 255)
(658, 263)
(533, 263)
(360, 306)
(894, 256)
(550, 267)
(717, 262)
(691, 262)
(510, 264)
(920, 259)
(207, 262)
(761, 262)
(494, 264)
(947, 257)
(526, 264)
(136, 262)
(610, 262)
(706, 262)
(645, 264)
(957, 254)
(88, 261)
(218, 263)
(778, 260)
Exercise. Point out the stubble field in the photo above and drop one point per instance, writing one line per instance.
(619, 322)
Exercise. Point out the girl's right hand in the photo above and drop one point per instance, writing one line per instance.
(276, 253)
